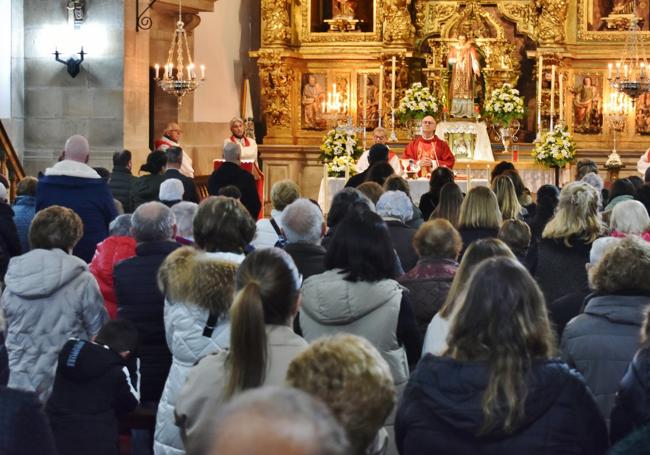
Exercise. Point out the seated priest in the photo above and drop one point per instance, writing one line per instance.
(231, 173)
(379, 137)
(428, 150)
(376, 154)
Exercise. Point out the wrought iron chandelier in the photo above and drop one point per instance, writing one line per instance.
(178, 78)
(629, 75)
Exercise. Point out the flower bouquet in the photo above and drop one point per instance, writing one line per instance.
(556, 149)
(339, 150)
(504, 105)
(418, 102)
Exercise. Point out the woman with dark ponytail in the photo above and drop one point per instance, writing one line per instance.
(145, 188)
(262, 344)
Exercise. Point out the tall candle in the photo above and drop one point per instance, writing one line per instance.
(392, 86)
(609, 71)
(365, 111)
(539, 94)
(157, 68)
(202, 71)
(561, 79)
(552, 95)
(381, 92)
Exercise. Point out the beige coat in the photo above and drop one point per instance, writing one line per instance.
(203, 392)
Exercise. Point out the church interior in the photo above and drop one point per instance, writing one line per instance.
(296, 70)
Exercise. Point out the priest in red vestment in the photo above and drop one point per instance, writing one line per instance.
(428, 150)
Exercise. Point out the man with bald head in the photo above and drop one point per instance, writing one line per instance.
(72, 183)
(171, 138)
(428, 150)
(231, 173)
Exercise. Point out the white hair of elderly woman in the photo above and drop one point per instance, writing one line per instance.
(629, 217)
(302, 222)
(395, 204)
(599, 247)
(184, 213)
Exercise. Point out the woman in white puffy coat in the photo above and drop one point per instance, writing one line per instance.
(199, 288)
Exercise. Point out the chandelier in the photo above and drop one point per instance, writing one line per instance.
(629, 75)
(177, 78)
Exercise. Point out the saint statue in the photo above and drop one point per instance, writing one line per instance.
(465, 76)
(583, 104)
(312, 97)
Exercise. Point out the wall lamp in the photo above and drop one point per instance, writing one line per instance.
(73, 63)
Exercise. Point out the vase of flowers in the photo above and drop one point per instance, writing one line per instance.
(340, 150)
(556, 149)
(505, 108)
(417, 103)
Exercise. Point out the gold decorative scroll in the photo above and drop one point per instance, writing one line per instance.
(276, 79)
(521, 13)
(398, 28)
(275, 22)
(430, 17)
(551, 21)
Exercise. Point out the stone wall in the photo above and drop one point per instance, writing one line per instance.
(57, 105)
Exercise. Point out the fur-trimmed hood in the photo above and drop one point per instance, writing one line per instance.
(203, 279)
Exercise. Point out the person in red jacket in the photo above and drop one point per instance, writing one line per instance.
(428, 150)
(120, 245)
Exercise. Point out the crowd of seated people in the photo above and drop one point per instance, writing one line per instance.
(504, 320)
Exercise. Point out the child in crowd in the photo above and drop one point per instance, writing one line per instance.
(92, 386)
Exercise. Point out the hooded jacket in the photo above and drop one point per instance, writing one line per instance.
(601, 342)
(92, 387)
(632, 409)
(78, 187)
(331, 304)
(192, 293)
(108, 253)
(50, 296)
(441, 412)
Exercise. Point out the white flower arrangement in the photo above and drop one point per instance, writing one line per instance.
(340, 148)
(557, 148)
(504, 105)
(418, 102)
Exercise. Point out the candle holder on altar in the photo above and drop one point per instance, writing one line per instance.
(617, 110)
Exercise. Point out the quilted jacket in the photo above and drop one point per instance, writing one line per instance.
(50, 297)
(428, 283)
(191, 292)
(108, 253)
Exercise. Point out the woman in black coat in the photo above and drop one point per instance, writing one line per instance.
(498, 388)
(429, 200)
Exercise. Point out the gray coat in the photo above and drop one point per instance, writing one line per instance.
(601, 342)
(50, 297)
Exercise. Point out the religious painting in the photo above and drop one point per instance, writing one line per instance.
(642, 115)
(312, 101)
(616, 15)
(587, 104)
(368, 105)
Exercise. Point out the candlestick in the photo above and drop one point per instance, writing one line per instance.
(609, 71)
(625, 69)
(202, 72)
(325, 185)
(552, 96)
(157, 69)
(618, 70)
(392, 86)
(381, 93)
(561, 107)
(539, 96)
(365, 111)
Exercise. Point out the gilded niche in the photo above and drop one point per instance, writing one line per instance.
(275, 17)
(276, 79)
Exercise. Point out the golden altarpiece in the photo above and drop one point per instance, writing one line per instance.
(313, 48)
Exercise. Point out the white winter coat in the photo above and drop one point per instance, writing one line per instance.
(190, 290)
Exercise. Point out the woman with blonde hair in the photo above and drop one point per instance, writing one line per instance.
(498, 387)
(451, 198)
(566, 241)
(354, 381)
(435, 339)
(509, 205)
(262, 344)
(480, 215)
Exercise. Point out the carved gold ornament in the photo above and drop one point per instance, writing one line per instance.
(276, 79)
